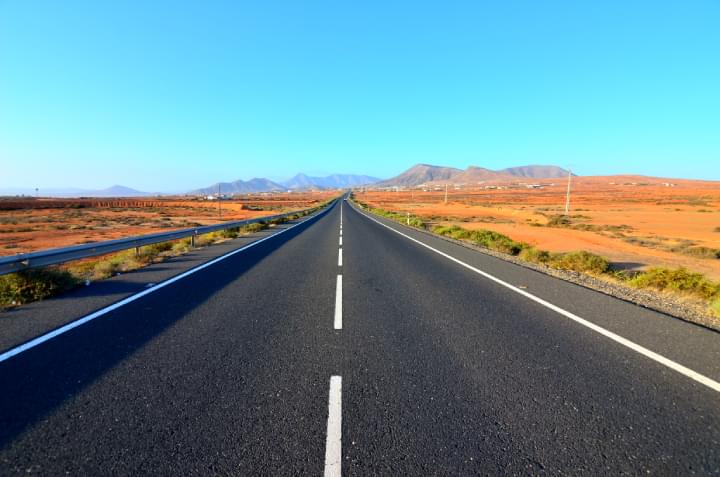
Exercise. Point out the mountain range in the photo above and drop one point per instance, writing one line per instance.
(427, 174)
(334, 181)
(415, 176)
(257, 184)
(298, 182)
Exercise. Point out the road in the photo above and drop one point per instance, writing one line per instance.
(292, 357)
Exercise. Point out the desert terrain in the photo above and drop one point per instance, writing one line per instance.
(32, 224)
(634, 221)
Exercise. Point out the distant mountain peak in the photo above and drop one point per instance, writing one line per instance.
(254, 185)
(120, 189)
(333, 181)
(536, 171)
(420, 174)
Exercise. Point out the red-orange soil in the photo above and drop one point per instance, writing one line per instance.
(634, 221)
(28, 225)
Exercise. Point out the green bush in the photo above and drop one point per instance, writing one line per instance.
(702, 252)
(678, 280)
(230, 233)
(149, 253)
(105, 269)
(496, 241)
(252, 228)
(534, 255)
(458, 233)
(181, 246)
(558, 221)
(204, 240)
(582, 261)
(32, 285)
(415, 222)
(111, 265)
(485, 238)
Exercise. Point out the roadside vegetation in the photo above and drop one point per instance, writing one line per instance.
(37, 284)
(407, 219)
(679, 282)
(33, 285)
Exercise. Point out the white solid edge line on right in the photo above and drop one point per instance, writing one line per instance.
(333, 442)
(81, 321)
(712, 384)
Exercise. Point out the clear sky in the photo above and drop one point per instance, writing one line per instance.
(169, 95)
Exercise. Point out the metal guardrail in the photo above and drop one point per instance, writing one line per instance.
(25, 261)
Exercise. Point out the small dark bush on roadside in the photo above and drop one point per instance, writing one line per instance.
(31, 285)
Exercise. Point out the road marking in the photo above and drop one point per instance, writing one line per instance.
(81, 321)
(341, 231)
(341, 240)
(339, 257)
(333, 443)
(337, 324)
(712, 384)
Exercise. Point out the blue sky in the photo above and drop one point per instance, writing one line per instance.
(168, 96)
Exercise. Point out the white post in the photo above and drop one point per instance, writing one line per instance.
(567, 196)
(446, 188)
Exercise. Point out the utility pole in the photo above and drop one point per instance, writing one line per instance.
(446, 188)
(567, 196)
(219, 203)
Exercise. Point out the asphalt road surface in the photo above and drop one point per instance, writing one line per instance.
(347, 344)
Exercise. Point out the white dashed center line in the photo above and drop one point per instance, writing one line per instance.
(333, 444)
(338, 304)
